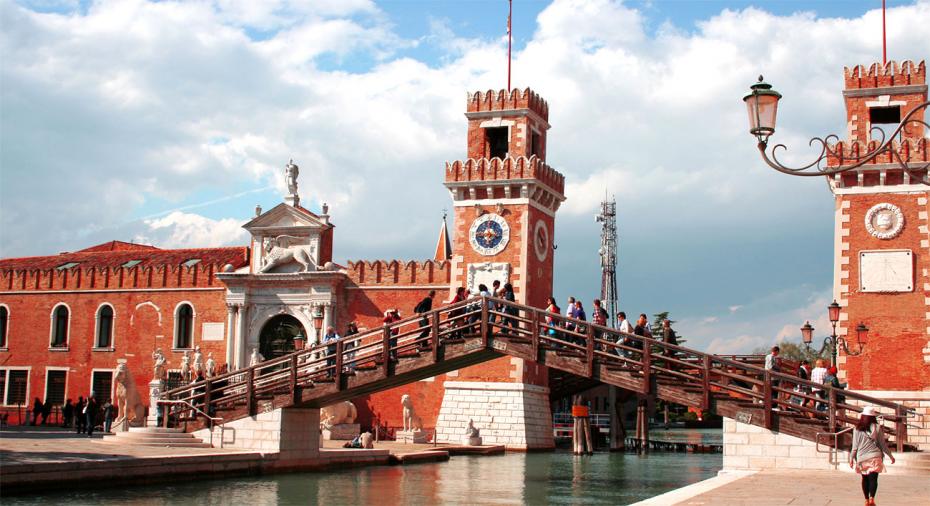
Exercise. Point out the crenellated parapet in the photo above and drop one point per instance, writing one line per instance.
(91, 270)
(890, 74)
(496, 169)
(908, 150)
(399, 273)
(503, 100)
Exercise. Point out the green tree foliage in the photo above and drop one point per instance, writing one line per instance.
(793, 351)
(656, 326)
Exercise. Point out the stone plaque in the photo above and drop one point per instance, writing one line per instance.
(744, 417)
(486, 273)
(213, 332)
(886, 271)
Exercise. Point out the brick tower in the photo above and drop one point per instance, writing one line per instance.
(882, 252)
(505, 200)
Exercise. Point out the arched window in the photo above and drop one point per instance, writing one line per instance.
(184, 326)
(60, 326)
(104, 327)
(4, 324)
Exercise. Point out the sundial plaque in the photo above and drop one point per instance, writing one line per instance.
(886, 271)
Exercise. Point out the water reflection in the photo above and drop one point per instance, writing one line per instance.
(516, 478)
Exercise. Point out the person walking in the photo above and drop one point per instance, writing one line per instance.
(669, 337)
(67, 414)
(107, 415)
(510, 323)
(772, 363)
(580, 314)
(90, 410)
(831, 380)
(641, 330)
(80, 420)
(598, 317)
(391, 316)
(868, 453)
(817, 375)
(625, 329)
(570, 313)
(552, 324)
(36, 411)
(422, 308)
(455, 314)
(331, 337)
(351, 330)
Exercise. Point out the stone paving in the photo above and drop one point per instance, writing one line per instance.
(35, 445)
(812, 488)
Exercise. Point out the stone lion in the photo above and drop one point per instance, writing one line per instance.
(128, 402)
(280, 252)
(338, 414)
(411, 419)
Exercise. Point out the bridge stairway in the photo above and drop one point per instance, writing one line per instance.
(464, 334)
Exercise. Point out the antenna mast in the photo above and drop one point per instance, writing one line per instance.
(610, 298)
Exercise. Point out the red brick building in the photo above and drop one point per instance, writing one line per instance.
(69, 319)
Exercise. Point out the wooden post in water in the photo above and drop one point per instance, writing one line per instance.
(642, 421)
(581, 428)
(617, 432)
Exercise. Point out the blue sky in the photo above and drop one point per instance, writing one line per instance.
(168, 122)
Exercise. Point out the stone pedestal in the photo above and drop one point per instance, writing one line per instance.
(516, 415)
(471, 441)
(410, 436)
(341, 432)
(156, 387)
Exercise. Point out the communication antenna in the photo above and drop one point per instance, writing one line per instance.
(610, 297)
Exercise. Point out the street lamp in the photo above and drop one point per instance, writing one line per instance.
(762, 105)
(832, 341)
(318, 320)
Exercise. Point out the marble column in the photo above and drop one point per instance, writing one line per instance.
(231, 311)
(327, 316)
(242, 351)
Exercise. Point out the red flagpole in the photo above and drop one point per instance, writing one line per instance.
(510, 42)
(884, 37)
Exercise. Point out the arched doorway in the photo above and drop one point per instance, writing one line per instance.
(277, 337)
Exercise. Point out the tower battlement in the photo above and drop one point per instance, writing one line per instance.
(494, 169)
(503, 100)
(890, 74)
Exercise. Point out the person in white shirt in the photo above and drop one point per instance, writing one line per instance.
(817, 376)
(623, 325)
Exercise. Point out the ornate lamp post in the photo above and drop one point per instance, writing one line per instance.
(832, 341)
(318, 321)
(762, 104)
(299, 341)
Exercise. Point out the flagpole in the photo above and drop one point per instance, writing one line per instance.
(884, 37)
(510, 42)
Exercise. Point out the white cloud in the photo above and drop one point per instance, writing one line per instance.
(735, 308)
(186, 230)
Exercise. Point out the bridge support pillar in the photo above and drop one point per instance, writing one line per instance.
(292, 433)
(749, 447)
(516, 415)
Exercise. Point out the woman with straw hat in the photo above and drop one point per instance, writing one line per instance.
(868, 451)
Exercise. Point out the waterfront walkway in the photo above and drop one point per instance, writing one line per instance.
(771, 488)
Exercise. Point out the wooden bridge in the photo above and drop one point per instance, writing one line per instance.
(481, 329)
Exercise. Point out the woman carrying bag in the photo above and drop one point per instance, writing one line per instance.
(868, 451)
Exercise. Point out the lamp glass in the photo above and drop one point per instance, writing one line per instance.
(834, 310)
(862, 333)
(807, 333)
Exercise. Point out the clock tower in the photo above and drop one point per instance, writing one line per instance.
(882, 252)
(505, 200)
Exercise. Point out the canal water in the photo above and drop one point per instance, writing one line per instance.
(514, 478)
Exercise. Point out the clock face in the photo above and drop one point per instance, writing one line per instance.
(541, 240)
(884, 221)
(489, 234)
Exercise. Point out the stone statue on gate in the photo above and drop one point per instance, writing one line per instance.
(128, 402)
(186, 366)
(281, 251)
(291, 171)
(160, 367)
(472, 435)
(211, 365)
(413, 426)
(256, 358)
(197, 366)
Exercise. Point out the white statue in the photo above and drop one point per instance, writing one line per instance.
(128, 403)
(471, 431)
(280, 251)
(291, 171)
(186, 366)
(256, 358)
(159, 369)
(211, 365)
(198, 363)
(338, 414)
(412, 422)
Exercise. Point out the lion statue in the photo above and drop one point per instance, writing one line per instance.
(337, 414)
(128, 403)
(279, 252)
(411, 419)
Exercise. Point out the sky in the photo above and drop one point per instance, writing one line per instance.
(167, 123)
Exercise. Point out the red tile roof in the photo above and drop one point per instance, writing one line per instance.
(117, 246)
(148, 255)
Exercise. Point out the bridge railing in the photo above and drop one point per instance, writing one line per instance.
(585, 346)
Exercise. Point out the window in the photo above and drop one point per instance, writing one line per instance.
(885, 115)
(184, 326)
(498, 139)
(15, 382)
(132, 263)
(535, 145)
(101, 385)
(104, 327)
(60, 326)
(64, 267)
(4, 324)
(55, 386)
(190, 263)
